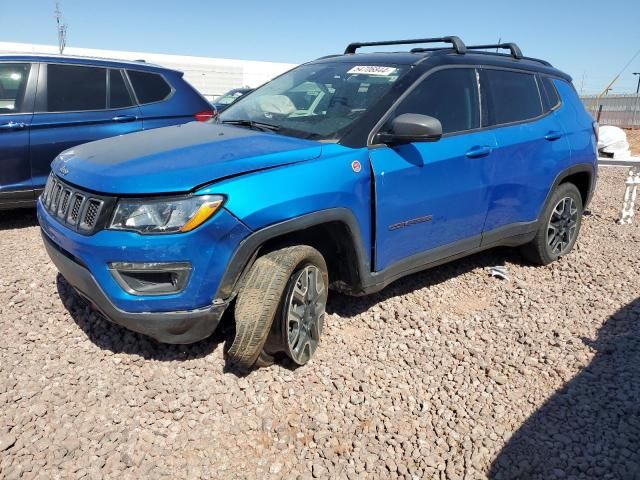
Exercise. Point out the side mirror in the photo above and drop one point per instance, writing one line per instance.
(411, 127)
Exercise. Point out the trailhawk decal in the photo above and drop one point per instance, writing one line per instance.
(414, 221)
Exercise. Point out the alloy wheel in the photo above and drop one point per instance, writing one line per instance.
(304, 313)
(562, 226)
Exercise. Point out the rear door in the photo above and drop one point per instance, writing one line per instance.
(431, 197)
(16, 110)
(77, 104)
(157, 100)
(532, 147)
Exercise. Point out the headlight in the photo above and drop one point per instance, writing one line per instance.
(165, 215)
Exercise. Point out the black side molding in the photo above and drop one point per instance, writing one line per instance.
(18, 199)
(368, 281)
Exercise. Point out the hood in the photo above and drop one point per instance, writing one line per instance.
(177, 159)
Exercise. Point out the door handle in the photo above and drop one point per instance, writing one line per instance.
(12, 126)
(124, 118)
(477, 152)
(553, 135)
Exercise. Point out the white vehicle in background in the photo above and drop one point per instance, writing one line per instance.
(612, 142)
(223, 101)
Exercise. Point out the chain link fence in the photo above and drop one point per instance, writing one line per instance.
(618, 110)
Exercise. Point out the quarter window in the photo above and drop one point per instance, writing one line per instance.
(551, 93)
(118, 94)
(449, 95)
(149, 87)
(72, 88)
(513, 96)
(13, 83)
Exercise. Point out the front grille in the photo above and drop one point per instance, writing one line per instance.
(81, 211)
(91, 214)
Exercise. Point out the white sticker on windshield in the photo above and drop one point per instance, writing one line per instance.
(373, 70)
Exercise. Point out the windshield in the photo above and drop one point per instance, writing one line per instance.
(318, 101)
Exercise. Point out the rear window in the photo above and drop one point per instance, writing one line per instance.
(118, 94)
(512, 96)
(13, 83)
(72, 88)
(149, 87)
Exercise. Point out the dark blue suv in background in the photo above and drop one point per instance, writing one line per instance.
(51, 103)
(345, 173)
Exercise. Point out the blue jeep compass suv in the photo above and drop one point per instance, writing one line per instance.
(49, 103)
(347, 172)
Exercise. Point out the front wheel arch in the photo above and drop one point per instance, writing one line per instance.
(337, 224)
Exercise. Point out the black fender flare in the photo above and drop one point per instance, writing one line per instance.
(589, 168)
(250, 247)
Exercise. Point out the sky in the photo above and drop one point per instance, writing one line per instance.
(591, 40)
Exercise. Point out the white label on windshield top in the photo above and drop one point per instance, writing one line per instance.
(373, 70)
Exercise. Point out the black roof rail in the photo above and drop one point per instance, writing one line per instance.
(458, 45)
(515, 49)
(531, 59)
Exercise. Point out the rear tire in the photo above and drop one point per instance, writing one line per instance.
(261, 300)
(559, 227)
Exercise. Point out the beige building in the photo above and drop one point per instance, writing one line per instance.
(211, 76)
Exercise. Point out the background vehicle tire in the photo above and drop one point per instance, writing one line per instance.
(560, 224)
(268, 285)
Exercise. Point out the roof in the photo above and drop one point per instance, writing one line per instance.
(446, 56)
(78, 60)
(397, 58)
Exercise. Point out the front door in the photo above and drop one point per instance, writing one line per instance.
(78, 104)
(432, 197)
(16, 111)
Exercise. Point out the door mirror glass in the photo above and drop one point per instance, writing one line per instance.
(411, 127)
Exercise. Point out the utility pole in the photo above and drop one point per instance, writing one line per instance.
(582, 83)
(635, 105)
(62, 29)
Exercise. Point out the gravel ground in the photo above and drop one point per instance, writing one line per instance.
(446, 374)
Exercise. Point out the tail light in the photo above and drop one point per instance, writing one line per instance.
(205, 115)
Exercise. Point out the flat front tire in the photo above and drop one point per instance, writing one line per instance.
(280, 308)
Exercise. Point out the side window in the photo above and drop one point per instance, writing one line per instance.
(513, 96)
(118, 94)
(72, 88)
(149, 87)
(13, 84)
(553, 99)
(449, 95)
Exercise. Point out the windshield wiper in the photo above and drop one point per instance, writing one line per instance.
(253, 125)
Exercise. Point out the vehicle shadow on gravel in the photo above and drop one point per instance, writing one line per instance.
(117, 339)
(346, 306)
(591, 427)
(19, 218)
